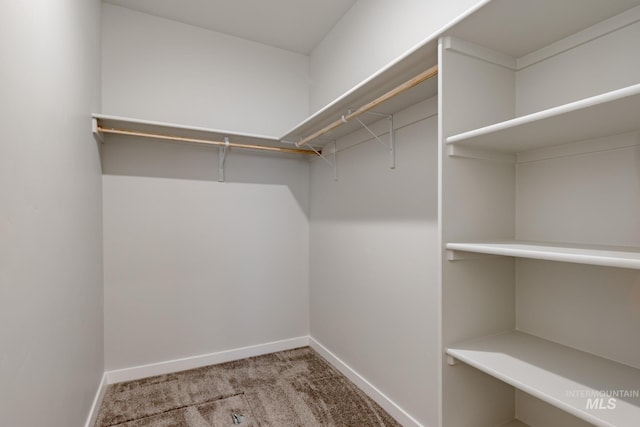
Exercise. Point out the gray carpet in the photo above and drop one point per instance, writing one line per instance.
(289, 388)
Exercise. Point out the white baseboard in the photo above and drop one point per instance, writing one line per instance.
(170, 366)
(167, 367)
(380, 398)
(97, 401)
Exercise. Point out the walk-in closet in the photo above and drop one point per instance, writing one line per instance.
(430, 208)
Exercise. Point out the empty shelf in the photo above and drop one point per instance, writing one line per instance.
(103, 124)
(413, 62)
(608, 256)
(138, 125)
(611, 113)
(597, 390)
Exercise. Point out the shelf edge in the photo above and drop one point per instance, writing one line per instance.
(546, 114)
(145, 122)
(543, 251)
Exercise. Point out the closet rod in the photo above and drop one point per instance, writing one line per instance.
(205, 141)
(425, 75)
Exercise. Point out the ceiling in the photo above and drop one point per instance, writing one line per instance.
(525, 17)
(295, 25)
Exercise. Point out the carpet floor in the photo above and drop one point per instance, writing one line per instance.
(288, 388)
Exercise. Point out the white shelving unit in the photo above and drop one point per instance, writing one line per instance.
(569, 379)
(607, 256)
(607, 114)
(539, 119)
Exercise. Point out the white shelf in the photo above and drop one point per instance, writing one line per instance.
(407, 66)
(611, 113)
(404, 68)
(559, 375)
(608, 256)
(148, 126)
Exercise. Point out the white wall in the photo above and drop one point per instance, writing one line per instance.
(374, 298)
(194, 266)
(162, 70)
(51, 357)
(369, 36)
(542, 85)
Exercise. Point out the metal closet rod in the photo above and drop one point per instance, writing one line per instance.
(205, 141)
(425, 75)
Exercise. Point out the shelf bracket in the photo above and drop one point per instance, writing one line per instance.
(391, 145)
(334, 158)
(455, 150)
(222, 157)
(95, 129)
(456, 255)
(451, 361)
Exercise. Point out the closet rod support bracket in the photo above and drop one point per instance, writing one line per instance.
(222, 157)
(391, 145)
(333, 162)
